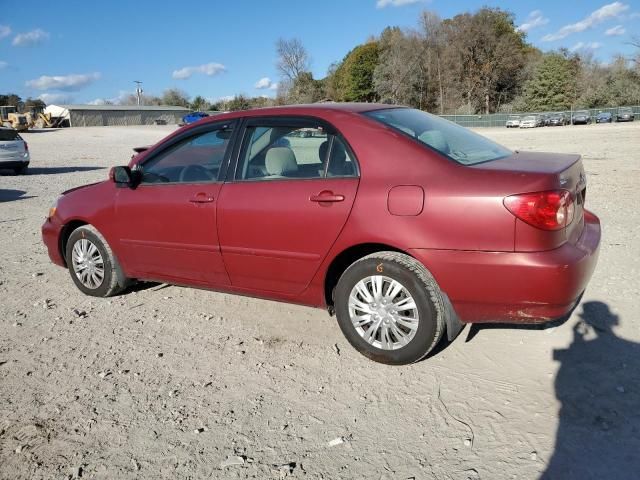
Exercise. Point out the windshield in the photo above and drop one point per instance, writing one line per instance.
(514, 117)
(582, 112)
(625, 110)
(454, 141)
(530, 118)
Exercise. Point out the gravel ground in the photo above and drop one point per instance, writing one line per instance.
(169, 382)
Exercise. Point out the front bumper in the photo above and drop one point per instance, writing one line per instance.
(516, 287)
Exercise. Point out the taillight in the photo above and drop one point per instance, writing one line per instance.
(550, 210)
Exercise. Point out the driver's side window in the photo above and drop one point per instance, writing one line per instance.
(196, 159)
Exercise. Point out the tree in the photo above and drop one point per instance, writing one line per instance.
(434, 45)
(10, 99)
(176, 97)
(554, 83)
(485, 54)
(293, 59)
(305, 89)
(398, 75)
(36, 103)
(354, 80)
(199, 103)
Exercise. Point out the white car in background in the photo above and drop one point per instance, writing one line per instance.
(530, 121)
(14, 151)
(513, 121)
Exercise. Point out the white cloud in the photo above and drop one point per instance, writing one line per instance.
(585, 46)
(534, 20)
(396, 3)
(265, 83)
(5, 31)
(209, 69)
(28, 39)
(615, 31)
(63, 82)
(3, 64)
(607, 12)
(50, 98)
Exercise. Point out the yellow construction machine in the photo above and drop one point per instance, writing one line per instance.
(37, 118)
(10, 118)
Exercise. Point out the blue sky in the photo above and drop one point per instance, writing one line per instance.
(80, 51)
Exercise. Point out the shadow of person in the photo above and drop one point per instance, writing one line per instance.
(598, 385)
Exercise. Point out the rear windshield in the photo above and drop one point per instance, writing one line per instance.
(8, 134)
(448, 138)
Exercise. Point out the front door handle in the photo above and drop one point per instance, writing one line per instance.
(202, 198)
(326, 196)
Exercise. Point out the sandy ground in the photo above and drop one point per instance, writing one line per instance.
(168, 382)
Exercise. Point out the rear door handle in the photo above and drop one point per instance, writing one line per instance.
(326, 196)
(202, 198)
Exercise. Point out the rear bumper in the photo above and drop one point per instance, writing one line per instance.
(51, 230)
(516, 287)
(7, 164)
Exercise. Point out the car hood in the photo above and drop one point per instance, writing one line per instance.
(81, 187)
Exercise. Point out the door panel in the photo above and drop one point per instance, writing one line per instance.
(275, 234)
(169, 231)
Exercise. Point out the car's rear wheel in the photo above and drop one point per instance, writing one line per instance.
(390, 308)
(93, 266)
(21, 170)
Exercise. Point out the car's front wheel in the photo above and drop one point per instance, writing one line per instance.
(390, 308)
(92, 265)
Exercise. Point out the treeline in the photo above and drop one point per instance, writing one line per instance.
(472, 63)
(16, 101)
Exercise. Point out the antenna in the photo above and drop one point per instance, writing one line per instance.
(138, 90)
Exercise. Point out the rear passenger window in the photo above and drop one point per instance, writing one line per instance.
(277, 153)
(8, 135)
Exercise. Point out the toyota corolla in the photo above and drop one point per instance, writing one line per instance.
(402, 224)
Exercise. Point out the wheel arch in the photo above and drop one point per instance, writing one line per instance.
(344, 259)
(65, 233)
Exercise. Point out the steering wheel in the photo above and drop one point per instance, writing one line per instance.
(195, 173)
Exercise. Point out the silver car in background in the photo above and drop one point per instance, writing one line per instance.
(14, 151)
(513, 121)
(530, 121)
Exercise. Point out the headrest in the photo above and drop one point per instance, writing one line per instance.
(280, 161)
(435, 139)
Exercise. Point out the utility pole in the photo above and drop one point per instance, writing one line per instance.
(138, 90)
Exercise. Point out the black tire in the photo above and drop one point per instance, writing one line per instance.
(421, 286)
(113, 280)
(21, 170)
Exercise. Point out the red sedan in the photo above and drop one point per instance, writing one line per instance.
(402, 224)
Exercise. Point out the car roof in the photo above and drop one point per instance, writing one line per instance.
(304, 109)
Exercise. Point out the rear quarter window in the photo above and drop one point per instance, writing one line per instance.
(8, 135)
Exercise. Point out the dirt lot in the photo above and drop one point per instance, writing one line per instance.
(168, 382)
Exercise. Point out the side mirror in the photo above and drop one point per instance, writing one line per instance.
(123, 177)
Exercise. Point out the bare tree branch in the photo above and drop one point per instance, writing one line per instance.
(293, 58)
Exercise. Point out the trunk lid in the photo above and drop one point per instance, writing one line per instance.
(11, 149)
(547, 171)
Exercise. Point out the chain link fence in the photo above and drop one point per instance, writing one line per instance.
(500, 119)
